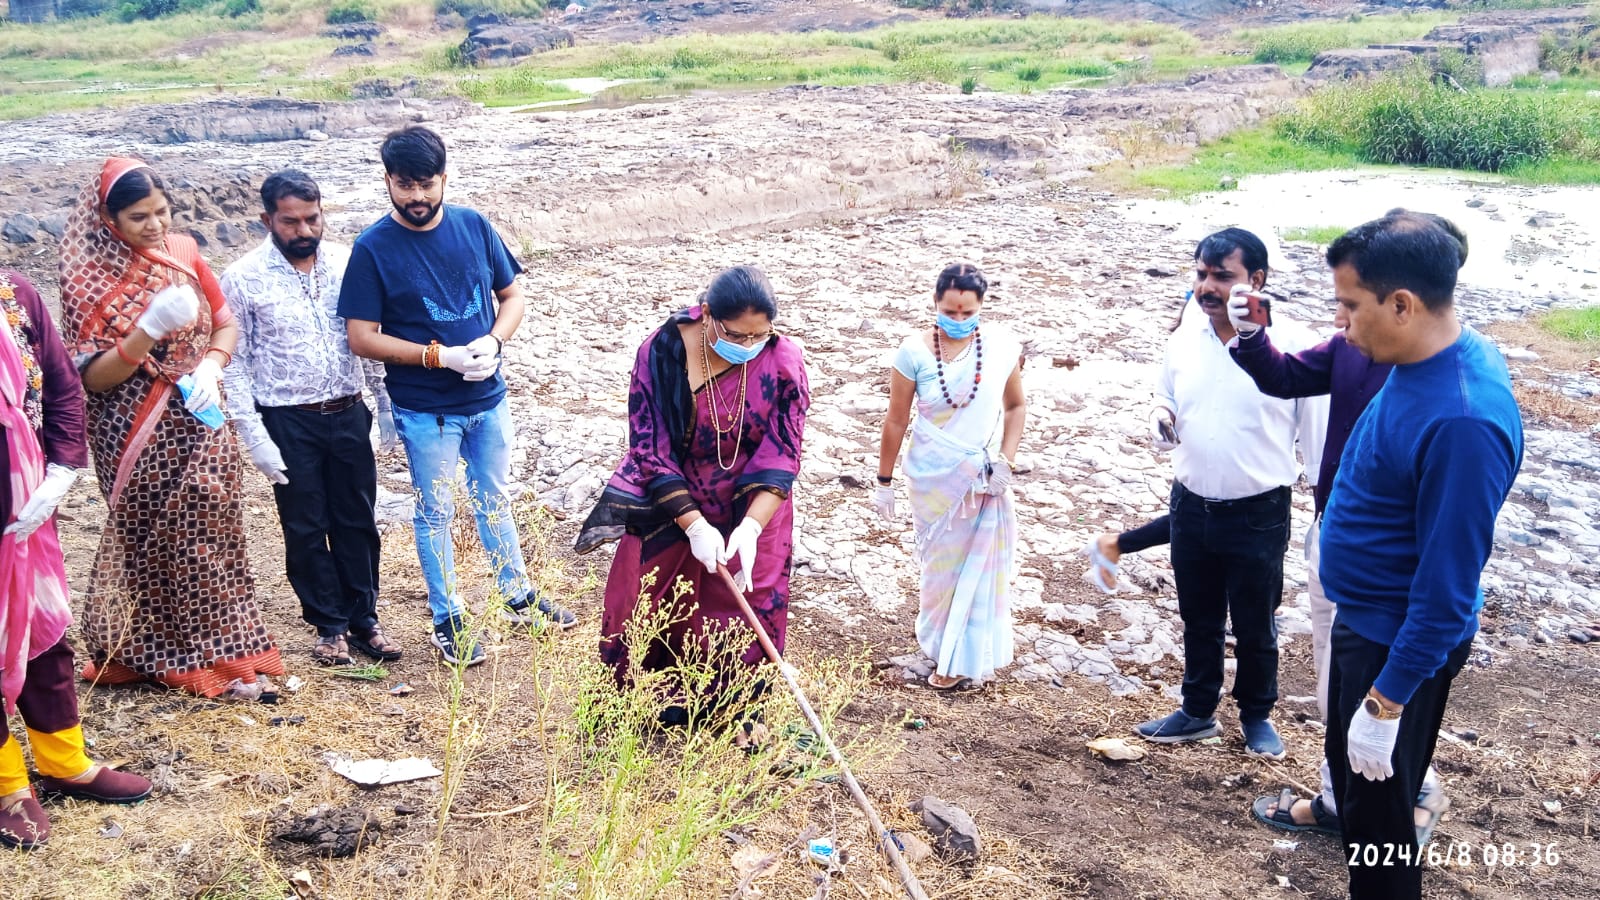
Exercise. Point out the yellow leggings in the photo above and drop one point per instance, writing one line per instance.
(58, 754)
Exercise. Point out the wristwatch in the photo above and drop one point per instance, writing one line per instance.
(1378, 710)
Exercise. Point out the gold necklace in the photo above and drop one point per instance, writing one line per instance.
(737, 430)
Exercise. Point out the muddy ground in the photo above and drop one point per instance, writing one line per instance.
(851, 199)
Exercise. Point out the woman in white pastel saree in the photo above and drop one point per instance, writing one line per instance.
(966, 380)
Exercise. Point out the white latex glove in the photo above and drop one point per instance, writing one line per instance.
(388, 435)
(883, 502)
(742, 547)
(42, 504)
(705, 544)
(999, 476)
(170, 309)
(488, 355)
(464, 359)
(1157, 416)
(1370, 744)
(486, 367)
(1238, 308)
(269, 459)
(207, 389)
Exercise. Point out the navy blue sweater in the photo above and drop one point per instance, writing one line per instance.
(1410, 521)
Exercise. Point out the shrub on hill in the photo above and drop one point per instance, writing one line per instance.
(1417, 119)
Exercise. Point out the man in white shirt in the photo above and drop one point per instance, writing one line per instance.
(294, 393)
(1233, 461)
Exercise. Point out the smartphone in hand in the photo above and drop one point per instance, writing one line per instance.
(1260, 308)
(1168, 432)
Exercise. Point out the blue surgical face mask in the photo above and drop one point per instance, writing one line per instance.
(734, 353)
(957, 330)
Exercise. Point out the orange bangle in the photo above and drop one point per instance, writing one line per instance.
(124, 357)
(430, 355)
(226, 362)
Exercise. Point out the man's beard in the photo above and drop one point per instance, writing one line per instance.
(406, 213)
(300, 248)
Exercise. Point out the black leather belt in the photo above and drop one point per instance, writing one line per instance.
(1269, 494)
(329, 407)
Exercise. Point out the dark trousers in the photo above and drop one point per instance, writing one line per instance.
(1378, 814)
(330, 533)
(1227, 559)
(49, 699)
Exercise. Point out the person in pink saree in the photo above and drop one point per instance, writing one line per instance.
(41, 415)
(717, 410)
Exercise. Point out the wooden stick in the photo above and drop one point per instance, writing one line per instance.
(908, 879)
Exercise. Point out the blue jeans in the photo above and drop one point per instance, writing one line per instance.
(435, 443)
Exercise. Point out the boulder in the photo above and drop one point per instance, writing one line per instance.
(55, 224)
(1358, 63)
(954, 832)
(19, 229)
(31, 11)
(365, 48)
(353, 31)
(495, 41)
(266, 119)
(230, 235)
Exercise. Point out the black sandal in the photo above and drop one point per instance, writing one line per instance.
(331, 650)
(1323, 822)
(375, 644)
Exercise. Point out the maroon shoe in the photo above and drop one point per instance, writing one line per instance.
(24, 825)
(107, 786)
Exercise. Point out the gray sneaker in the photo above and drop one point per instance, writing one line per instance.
(532, 609)
(1177, 728)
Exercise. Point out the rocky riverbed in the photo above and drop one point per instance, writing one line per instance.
(852, 199)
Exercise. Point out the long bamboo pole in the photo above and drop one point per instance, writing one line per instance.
(908, 879)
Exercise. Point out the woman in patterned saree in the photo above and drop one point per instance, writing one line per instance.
(958, 474)
(172, 598)
(717, 408)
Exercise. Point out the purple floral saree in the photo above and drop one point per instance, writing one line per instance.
(671, 467)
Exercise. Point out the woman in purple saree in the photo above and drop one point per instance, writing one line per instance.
(716, 412)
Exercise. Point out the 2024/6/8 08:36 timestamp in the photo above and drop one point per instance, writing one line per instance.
(1458, 854)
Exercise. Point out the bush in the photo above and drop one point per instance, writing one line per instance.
(347, 12)
(130, 10)
(969, 84)
(1415, 119)
(82, 9)
(470, 8)
(1029, 73)
(236, 8)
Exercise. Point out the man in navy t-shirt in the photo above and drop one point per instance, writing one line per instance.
(1407, 531)
(431, 291)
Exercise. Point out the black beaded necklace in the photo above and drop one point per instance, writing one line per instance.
(977, 378)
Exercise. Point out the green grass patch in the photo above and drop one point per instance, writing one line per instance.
(1301, 42)
(1220, 164)
(1411, 119)
(1582, 325)
(513, 89)
(1313, 234)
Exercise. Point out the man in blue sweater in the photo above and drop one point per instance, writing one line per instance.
(1408, 528)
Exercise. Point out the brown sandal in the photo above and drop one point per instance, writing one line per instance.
(375, 644)
(331, 650)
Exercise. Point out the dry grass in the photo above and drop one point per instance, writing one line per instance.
(1555, 352)
(548, 791)
(1549, 407)
(1557, 355)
